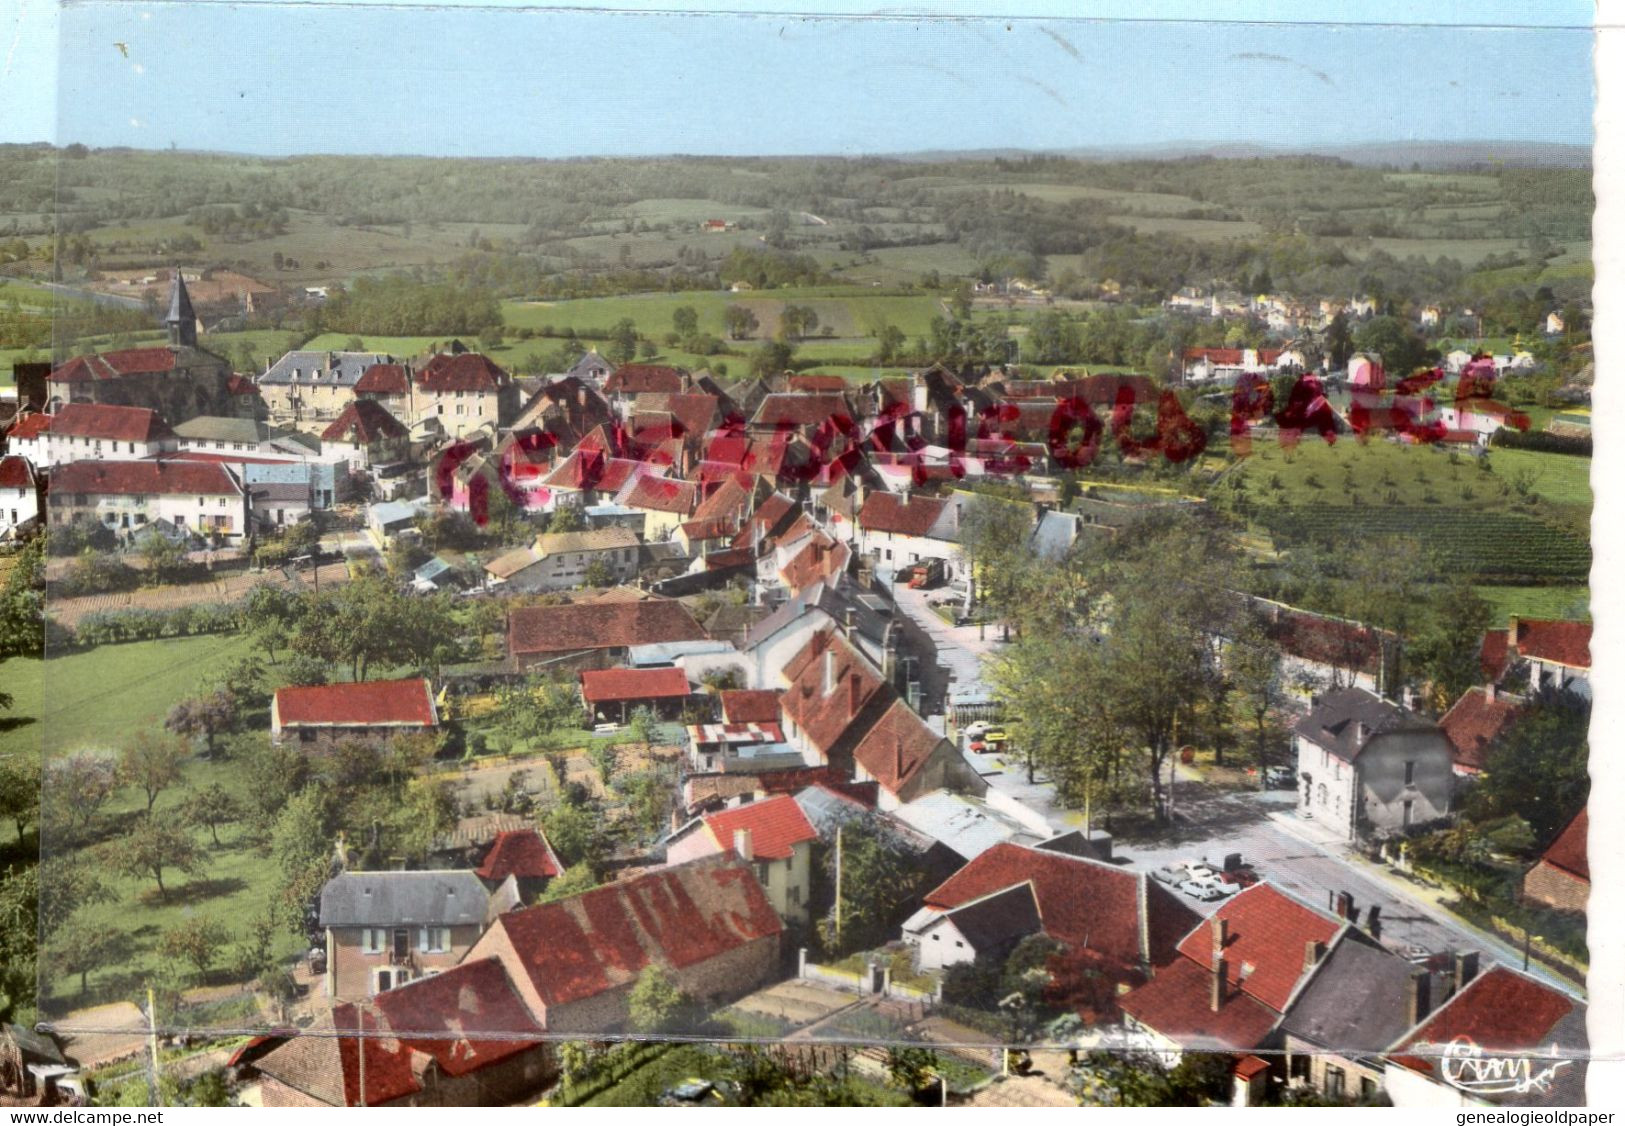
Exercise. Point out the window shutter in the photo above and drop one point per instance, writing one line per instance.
(423, 940)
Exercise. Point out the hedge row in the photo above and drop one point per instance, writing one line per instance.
(1542, 442)
(115, 626)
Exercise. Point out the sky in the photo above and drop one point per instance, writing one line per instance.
(495, 80)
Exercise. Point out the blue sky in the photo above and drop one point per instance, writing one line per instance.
(283, 78)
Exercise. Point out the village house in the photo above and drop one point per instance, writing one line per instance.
(561, 560)
(91, 431)
(594, 634)
(368, 710)
(243, 436)
(458, 1038)
(591, 367)
(1320, 652)
(463, 391)
(968, 826)
(30, 1062)
(586, 477)
(1117, 925)
(363, 436)
(26, 436)
(896, 532)
(1500, 1013)
(387, 928)
(1234, 977)
(1534, 655)
(1366, 765)
(1481, 417)
(20, 497)
(1226, 365)
(629, 380)
(522, 855)
(307, 390)
(707, 923)
(773, 835)
(612, 695)
(1561, 878)
(908, 760)
(1474, 724)
(666, 502)
(125, 496)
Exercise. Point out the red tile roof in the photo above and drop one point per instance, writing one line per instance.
(787, 411)
(1568, 851)
(769, 515)
(661, 494)
(383, 379)
(119, 424)
(523, 853)
(462, 1020)
(467, 371)
(16, 473)
(370, 703)
(363, 422)
(111, 365)
(826, 697)
(1328, 641)
(1177, 1003)
(1494, 652)
(817, 382)
(143, 478)
(1562, 643)
(29, 426)
(591, 470)
(240, 384)
(613, 685)
(1473, 724)
(1082, 902)
(896, 747)
(727, 502)
(821, 559)
(776, 826)
(588, 944)
(1263, 949)
(911, 516)
(1499, 1010)
(749, 705)
(637, 379)
(599, 625)
(1213, 355)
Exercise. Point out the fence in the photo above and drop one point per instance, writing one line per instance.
(874, 981)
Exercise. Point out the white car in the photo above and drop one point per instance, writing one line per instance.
(976, 730)
(1206, 888)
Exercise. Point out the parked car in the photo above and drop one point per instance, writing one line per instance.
(1205, 890)
(995, 735)
(1280, 778)
(1199, 869)
(976, 730)
(1172, 875)
(1242, 877)
(692, 1092)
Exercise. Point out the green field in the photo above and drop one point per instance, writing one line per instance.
(850, 310)
(1572, 602)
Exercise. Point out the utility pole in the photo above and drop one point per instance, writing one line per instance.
(838, 859)
(152, 1049)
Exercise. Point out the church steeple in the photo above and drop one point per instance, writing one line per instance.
(182, 321)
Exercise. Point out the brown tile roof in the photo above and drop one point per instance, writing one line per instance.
(1328, 641)
(467, 371)
(776, 826)
(1562, 643)
(143, 478)
(1501, 1011)
(801, 410)
(589, 469)
(363, 422)
(660, 494)
(817, 382)
(374, 703)
(910, 516)
(896, 747)
(636, 379)
(383, 379)
(1266, 933)
(1494, 653)
(820, 559)
(1177, 1003)
(111, 365)
(675, 917)
(1473, 724)
(826, 696)
(119, 424)
(599, 625)
(16, 473)
(749, 705)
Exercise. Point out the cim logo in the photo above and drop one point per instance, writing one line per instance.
(1466, 1067)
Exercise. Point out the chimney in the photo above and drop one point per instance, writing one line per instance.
(742, 845)
(829, 669)
(1466, 968)
(1312, 952)
(1417, 1001)
(857, 692)
(1373, 921)
(1216, 992)
(850, 614)
(1489, 692)
(1220, 929)
(1360, 734)
(1345, 905)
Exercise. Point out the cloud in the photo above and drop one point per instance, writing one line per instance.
(137, 68)
(135, 122)
(1264, 56)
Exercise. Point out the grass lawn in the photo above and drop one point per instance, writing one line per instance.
(1560, 478)
(1564, 602)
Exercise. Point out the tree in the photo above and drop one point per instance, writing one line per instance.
(1538, 770)
(656, 1004)
(153, 848)
(879, 879)
(81, 949)
(598, 573)
(739, 321)
(19, 792)
(68, 884)
(1444, 653)
(207, 715)
(995, 535)
(300, 849)
(1252, 667)
(910, 1068)
(270, 612)
(576, 835)
(151, 763)
(75, 787)
(573, 880)
(685, 321)
(771, 357)
(165, 560)
(567, 518)
(197, 940)
(1401, 349)
(623, 341)
(212, 807)
(1339, 342)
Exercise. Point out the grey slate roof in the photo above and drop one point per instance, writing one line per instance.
(1053, 537)
(998, 920)
(180, 302)
(382, 899)
(323, 369)
(1334, 724)
(1356, 1000)
(221, 428)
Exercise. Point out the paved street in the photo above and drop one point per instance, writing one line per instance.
(1263, 827)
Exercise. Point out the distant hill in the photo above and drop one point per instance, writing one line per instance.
(1424, 154)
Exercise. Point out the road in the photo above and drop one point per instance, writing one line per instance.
(1263, 827)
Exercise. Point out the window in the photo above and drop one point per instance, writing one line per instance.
(1410, 772)
(1321, 793)
(1334, 1081)
(795, 896)
(384, 981)
(372, 940)
(1368, 1088)
(434, 940)
(1406, 814)
(936, 938)
(761, 872)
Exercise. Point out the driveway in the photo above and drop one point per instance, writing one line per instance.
(960, 650)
